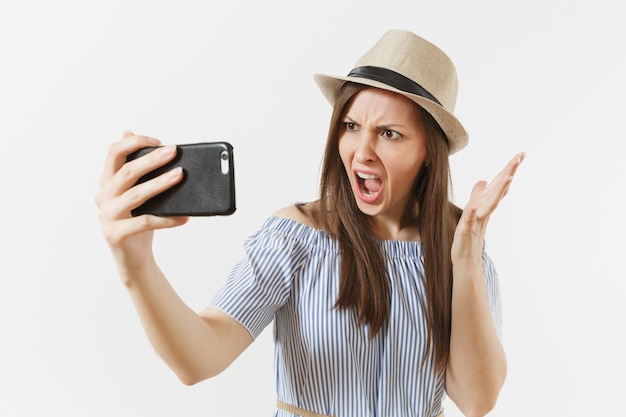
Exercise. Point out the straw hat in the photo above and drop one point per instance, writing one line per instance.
(407, 64)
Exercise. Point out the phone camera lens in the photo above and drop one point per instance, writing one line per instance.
(224, 164)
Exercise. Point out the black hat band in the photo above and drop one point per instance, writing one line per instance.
(392, 79)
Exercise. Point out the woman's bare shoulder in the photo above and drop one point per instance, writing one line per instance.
(302, 213)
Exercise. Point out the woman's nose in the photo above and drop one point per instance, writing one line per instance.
(365, 151)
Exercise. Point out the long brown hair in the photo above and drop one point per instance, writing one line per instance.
(364, 285)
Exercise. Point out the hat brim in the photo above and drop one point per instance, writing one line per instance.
(451, 126)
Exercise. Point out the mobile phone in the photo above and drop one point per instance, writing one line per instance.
(207, 187)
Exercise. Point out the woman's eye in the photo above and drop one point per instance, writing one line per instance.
(350, 126)
(391, 135)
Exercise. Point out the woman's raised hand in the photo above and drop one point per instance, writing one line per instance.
(130, 238)
(470, 232)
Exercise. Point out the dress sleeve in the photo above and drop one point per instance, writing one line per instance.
(493, 292)
(260, 283)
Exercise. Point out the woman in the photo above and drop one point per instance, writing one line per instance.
(382, 297)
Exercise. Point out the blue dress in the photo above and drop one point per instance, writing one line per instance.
(324, 360)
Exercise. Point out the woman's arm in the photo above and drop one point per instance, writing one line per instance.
(196, 346)
(477, 365)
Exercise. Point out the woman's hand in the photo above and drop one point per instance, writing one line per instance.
(130, 238)
(470, 232)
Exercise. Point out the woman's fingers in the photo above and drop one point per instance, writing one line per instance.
(469, 236)
(516, 162)
(508, 173)
(136, 195)
(118, 151)
(130, 172)
(120, 193)
(119, 176)
(487, 197)
(113, 206)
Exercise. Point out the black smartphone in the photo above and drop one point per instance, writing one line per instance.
(207, 187)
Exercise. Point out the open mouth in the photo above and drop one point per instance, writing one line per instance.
(369, 186)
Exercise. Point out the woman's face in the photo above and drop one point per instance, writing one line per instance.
(382, 145)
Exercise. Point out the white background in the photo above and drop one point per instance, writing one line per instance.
(541, 76)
